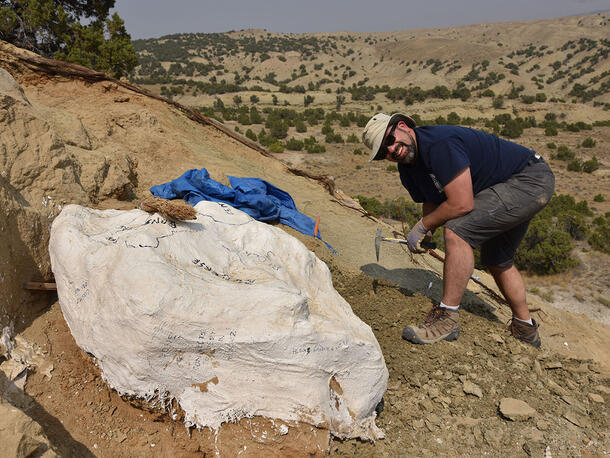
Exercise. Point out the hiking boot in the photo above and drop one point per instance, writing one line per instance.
(528, 333)
(440, 324)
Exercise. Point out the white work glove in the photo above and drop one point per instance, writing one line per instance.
(415, 237)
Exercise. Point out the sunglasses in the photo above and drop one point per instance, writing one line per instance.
(388, 141)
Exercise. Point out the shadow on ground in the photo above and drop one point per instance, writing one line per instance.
(428, 284)
(53, 428)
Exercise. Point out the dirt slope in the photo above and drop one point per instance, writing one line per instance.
(105, 146)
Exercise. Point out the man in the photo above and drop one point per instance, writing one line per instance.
(484, 190)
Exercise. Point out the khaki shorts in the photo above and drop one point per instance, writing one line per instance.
(503, 212)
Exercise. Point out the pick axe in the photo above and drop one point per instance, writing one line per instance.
(379, 238)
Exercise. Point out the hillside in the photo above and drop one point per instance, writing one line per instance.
(85, 139)
(565, 59)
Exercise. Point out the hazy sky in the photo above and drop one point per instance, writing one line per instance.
(154, 18)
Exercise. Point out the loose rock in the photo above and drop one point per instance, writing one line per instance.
(515, 409)
(471, 388)
(595, 398)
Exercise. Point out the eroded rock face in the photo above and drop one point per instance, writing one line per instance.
(231, 317)
(33, 159)
(36, 172)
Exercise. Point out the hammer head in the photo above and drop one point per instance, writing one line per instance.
(378, 238)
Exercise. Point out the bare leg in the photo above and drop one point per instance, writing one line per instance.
(511, 285)
(458, 267)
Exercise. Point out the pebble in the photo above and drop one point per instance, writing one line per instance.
(571, 384)
(516, 409)
(555, 388)
(595, 398)
(496, 338)
(553, 365)
(542, 424)
(418, 424)
(434, 419)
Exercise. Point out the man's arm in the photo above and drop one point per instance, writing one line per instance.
(428, 207)
(460, 201)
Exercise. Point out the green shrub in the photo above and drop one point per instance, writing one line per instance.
(591, 165)
(550, 131)
(600, 237)
(294, 145)
(334, 138)
(453, 118)
(588, 143)
(358, 152)
(512, 129)
(540, 97)
(564, 153)
(528, 99)
(562, 203)
(276, 147)
(574, 224)
(498, 102)
(315, 148)
(599, 198)
(244, 119)
(575, 165)
(300, 126)
(251, 135)
(352, 138)
(545, 250)
(551, 145)
(391, 168)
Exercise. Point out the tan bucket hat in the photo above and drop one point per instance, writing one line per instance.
(375, 129)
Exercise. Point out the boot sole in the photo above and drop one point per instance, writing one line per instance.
(409, 334)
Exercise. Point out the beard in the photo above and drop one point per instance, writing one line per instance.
(409, 157)
(410, 149)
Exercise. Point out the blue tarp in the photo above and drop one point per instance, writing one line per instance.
(258, 198)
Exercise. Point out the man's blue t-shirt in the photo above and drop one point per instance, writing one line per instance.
(443, 151)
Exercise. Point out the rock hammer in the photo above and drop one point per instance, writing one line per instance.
(379, 238)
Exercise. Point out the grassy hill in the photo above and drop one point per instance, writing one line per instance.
(564, 59)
